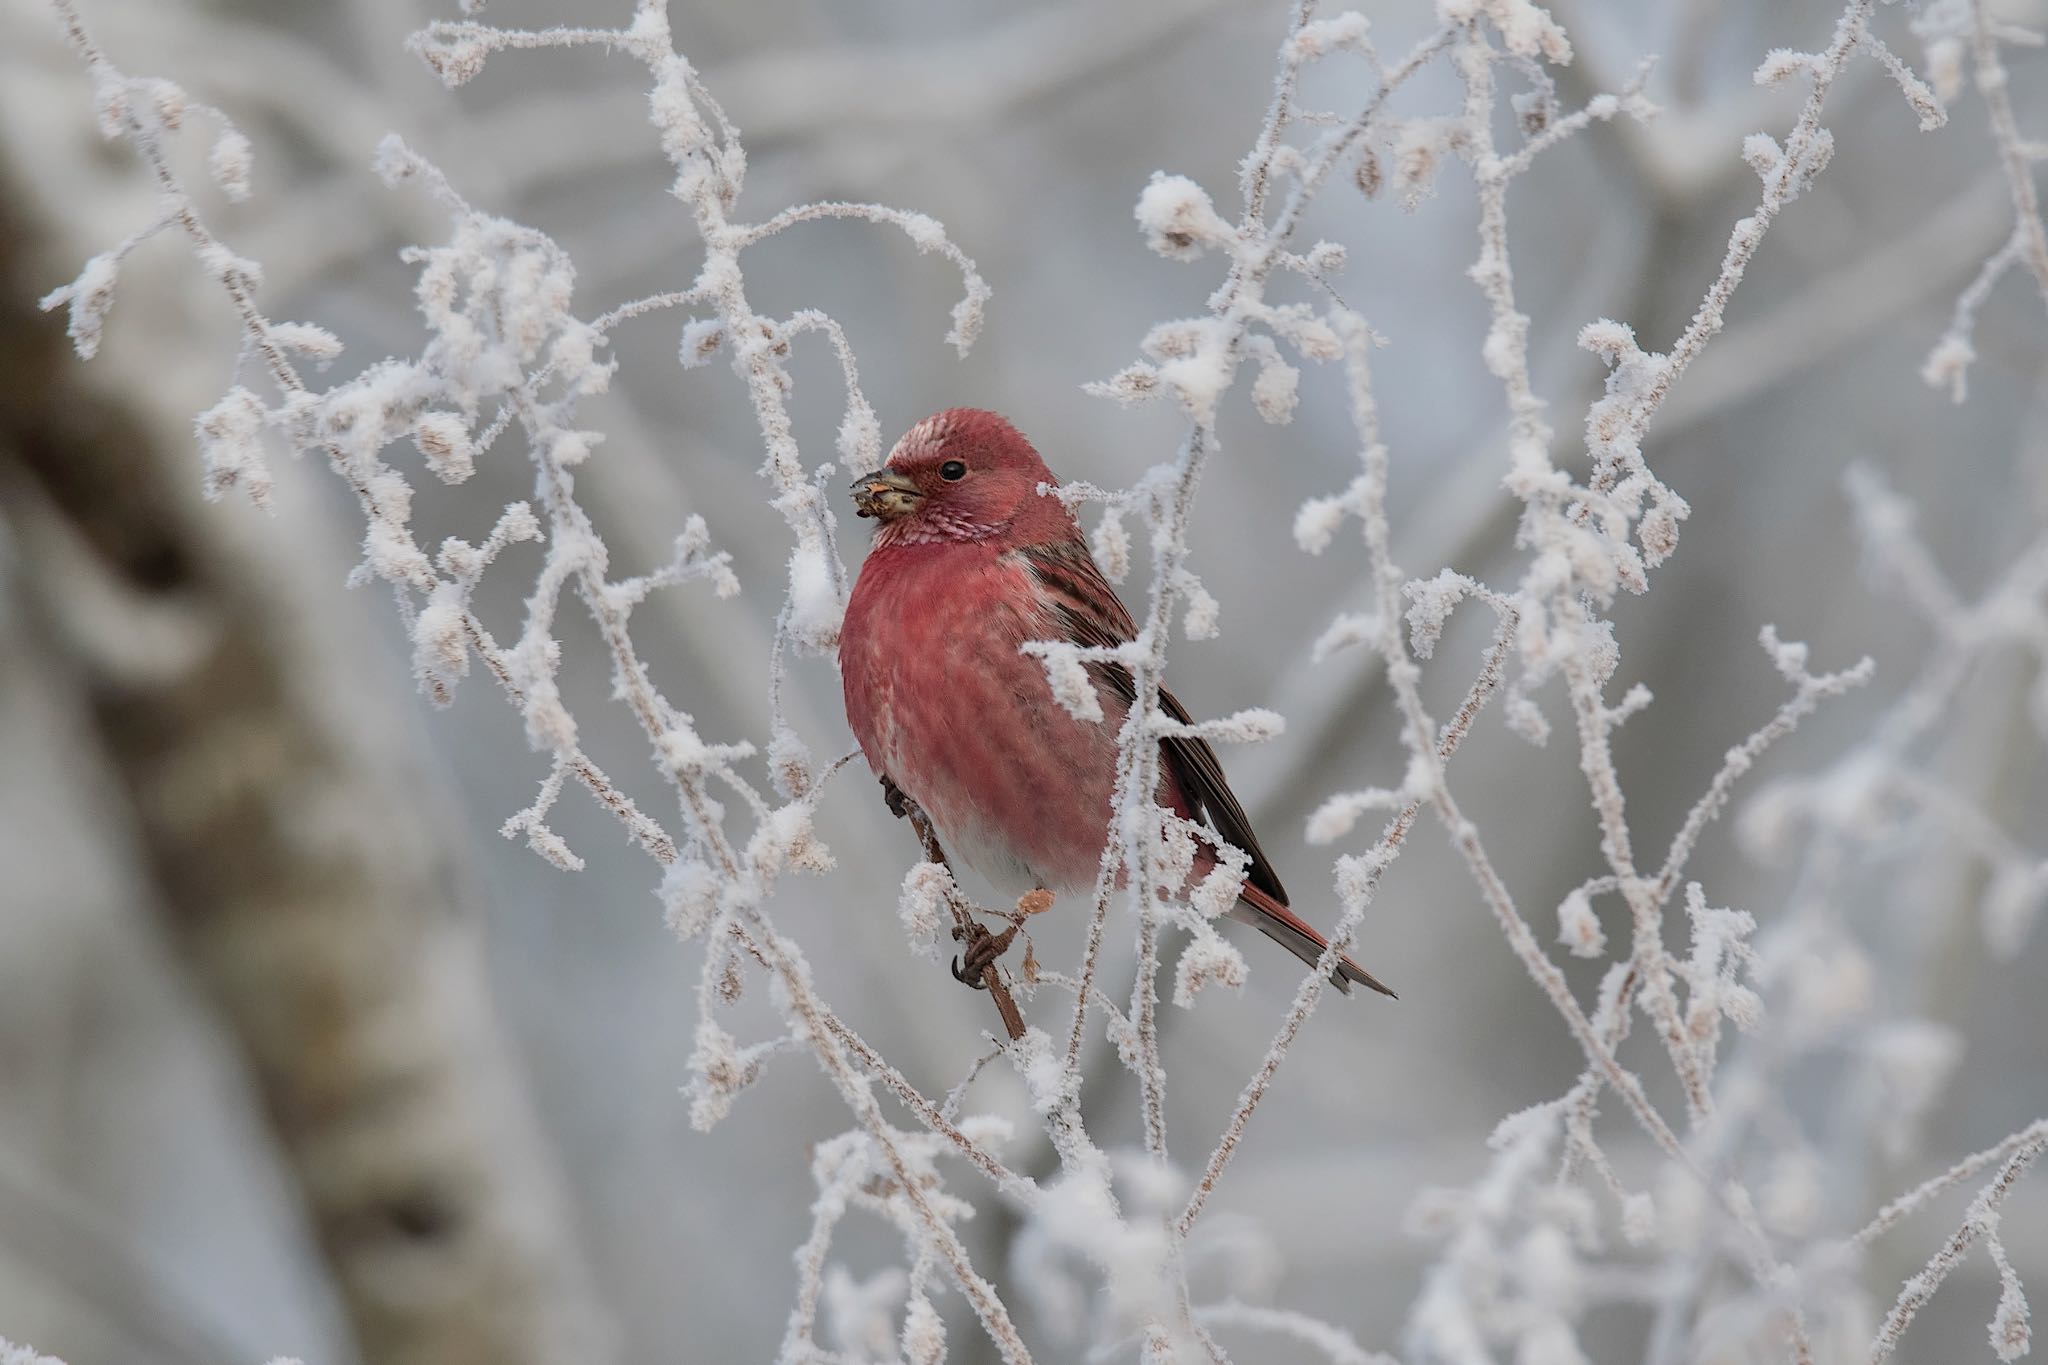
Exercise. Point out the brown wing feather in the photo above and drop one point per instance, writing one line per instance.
(1090, 614)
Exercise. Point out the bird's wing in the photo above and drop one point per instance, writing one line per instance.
(1089, 613)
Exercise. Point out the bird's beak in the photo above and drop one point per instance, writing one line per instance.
(884, 495)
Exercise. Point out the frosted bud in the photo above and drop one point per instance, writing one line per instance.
(1129, 386)
(168, 100)
(440, 638)
(90, 296)
(720, 1073)
(1948, 366)
(860, 437)
(789, 764)
(1535, 110)
(1578, 928)
(1418, 153)
(1781, 64)
(1368, 176)
(1315, 525)
(1072, 687)
(689, 897)
(314, 342)
(1525, 718)
(1217, 892)
(443, 438)
(1177, 218)
(1526, 28)
(1274, 392)
(110, 104)
(925, 906)
(1813, 152)
(1112, 546)
(2011, 1334)
(1430, 604)
(1324, 36)
(1203, 612)
(456, 58)
(1658, 533)
(701, 339)
(924, 1333)
(228, 164)
(1207, 961)
(1614, 342)
(231, 442)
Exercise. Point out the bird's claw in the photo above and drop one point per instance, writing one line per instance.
(892, 795)
(984, 947)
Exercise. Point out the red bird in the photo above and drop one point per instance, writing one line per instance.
(969, 563)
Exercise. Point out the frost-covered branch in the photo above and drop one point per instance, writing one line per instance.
(497, 301)
(1948, 29)
(2010, 1336)
(1108, 1237)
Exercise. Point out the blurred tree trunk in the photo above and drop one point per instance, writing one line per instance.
(300, 870)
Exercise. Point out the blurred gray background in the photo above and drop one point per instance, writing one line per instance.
(298, 1056)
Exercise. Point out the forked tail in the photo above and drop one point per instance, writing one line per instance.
(1283, 926)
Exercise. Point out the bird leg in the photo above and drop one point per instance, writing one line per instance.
(899, 804)
(983, 946)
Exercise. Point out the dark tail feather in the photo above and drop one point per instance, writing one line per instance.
(1287, 929)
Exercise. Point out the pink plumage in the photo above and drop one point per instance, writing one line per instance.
(969, 563)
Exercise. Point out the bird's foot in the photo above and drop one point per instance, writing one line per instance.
(892, 795)
(984, 947)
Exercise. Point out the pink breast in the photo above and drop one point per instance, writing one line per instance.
(941, 699)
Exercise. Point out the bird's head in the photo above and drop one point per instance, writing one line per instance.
(962, 474)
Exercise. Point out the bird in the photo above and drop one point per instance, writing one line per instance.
(971, 560)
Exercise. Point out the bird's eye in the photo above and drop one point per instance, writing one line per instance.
(952, 471)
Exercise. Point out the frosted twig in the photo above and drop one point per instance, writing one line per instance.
(1948, 363)
(938, 1118)
(351, 423)
(506, 349)
(1812, 691)
(1359, 883)
(1912, 1200)
(1339, 1347)
(1804, 155)
(1197, 378)
(1980, 1221)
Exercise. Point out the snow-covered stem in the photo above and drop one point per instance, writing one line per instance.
(1805, 152)
(1981, 1221)
(1359, 890)
(1905, 1205)
(2015, 157)
(511, 354)
(1956, 24)
(1237, 304)
(1810, 692)
(577, 559)
(1334, 1344)
(935, 1117)
(1358, 883)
